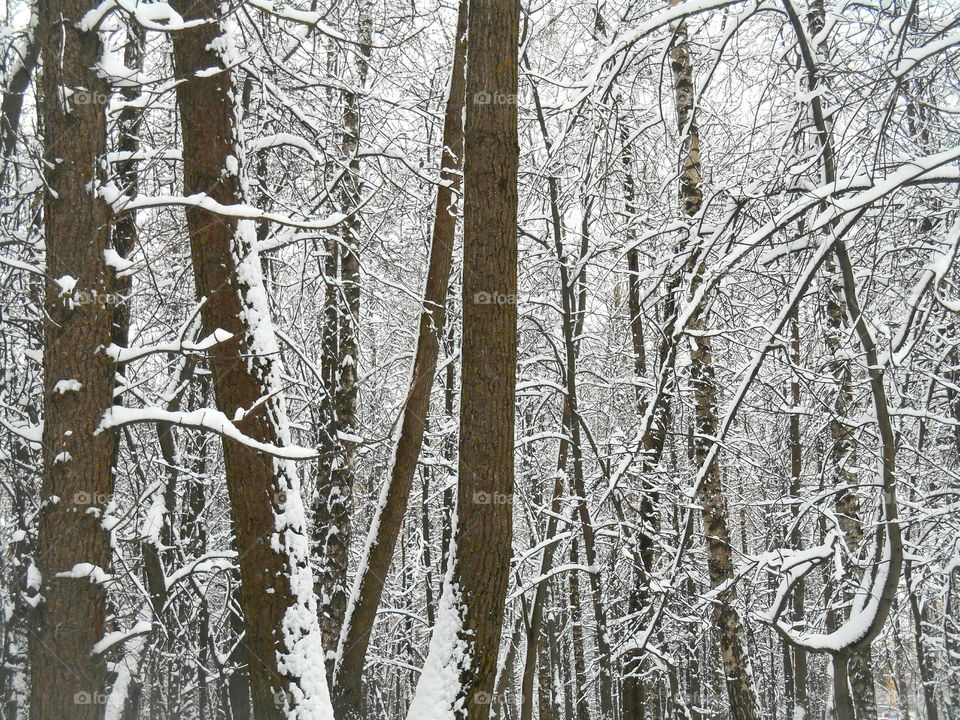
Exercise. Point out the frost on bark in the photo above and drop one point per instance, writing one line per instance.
(73, 548)
(460, 669)
(716, 517)
(282, 633)
(391, 509)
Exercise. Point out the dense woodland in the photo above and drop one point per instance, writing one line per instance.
(554, 360)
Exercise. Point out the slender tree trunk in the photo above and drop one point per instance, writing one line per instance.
(390, 511)
(535, 626)
(18, 82)
(726, 619)
(282, 634)
(73, 547)
(568, 323)
(338, 494)
(580, 701)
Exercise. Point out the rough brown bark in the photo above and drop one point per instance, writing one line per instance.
(276, 587)
(484, 527)
(389, 514)
(725, 617)
(73, 548)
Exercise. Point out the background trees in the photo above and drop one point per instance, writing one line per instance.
(298, 198)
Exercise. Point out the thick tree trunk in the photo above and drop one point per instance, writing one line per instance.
(390, 511)
(472, 605)
(484, 528)
(726, 619)
(73, 548)
(282, 633)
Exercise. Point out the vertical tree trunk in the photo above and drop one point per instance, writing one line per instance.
(337, 494)
(73, 547)
(795, 658)
(568, 326)
(580, 701)
(467, 638)
(726, 619)
(481, 564)
(391, 509)
(282, 633)
(535, 625)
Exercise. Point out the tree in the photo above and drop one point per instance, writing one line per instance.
(459, 674)
(72, 560)
(392, 506)
(282, 632)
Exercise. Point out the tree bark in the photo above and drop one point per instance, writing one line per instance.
(282, 634)
(726, 619)
(73, 548)
(476, 584)
(484, 529)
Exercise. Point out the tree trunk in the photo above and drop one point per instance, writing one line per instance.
(337, 494)
(282, 633)
(568, 324)
(390, 511)
(73, 548)
(726, 619)
(472, 605)
(12, 105)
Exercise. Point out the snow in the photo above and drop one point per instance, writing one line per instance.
(67, 283)
(62, 387)
(238, 210)
(438, 689)
(154, 15)
(127, 668)
(118, 263)
(206, 419)
(118, 637)
(94, 574)
(120, 354)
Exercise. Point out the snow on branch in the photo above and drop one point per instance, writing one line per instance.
(123, 355)
(204, 419)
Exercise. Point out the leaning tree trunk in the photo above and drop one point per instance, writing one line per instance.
(391, 510)
(726, 620)
(18, 82)
(465, 644)
(73, 547)
(282, 633)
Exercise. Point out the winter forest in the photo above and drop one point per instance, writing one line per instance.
(514, 359)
